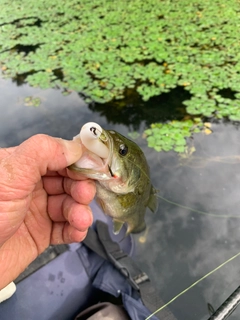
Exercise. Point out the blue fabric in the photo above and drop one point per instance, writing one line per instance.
(110, 280)
(66, 285)
(55, 291)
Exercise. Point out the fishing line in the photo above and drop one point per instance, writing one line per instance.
(194, 284)
(198, 211)
(185, 207)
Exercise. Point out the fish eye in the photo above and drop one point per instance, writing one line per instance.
(123, 149)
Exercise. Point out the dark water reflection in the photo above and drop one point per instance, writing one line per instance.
(133, 111)
(179, 246)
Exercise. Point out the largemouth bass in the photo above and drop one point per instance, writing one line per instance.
(123, 186)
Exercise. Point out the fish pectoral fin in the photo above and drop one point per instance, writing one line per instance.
(153, 201)
(117, 226)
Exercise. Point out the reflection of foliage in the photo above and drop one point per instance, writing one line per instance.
(101, 47)
(172, 135)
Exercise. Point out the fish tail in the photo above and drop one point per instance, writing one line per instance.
(136, 229)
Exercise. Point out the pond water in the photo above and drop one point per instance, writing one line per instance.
(179, 246)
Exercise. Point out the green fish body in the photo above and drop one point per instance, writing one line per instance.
(124, 190)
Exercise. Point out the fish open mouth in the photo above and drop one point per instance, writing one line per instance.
(92, 164)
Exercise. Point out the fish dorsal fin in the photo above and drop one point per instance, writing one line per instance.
(117, 226)
(152, 201)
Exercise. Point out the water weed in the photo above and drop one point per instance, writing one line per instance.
(101, 47)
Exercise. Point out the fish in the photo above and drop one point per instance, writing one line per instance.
(123, 186)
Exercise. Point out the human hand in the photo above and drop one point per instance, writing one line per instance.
(41, 202)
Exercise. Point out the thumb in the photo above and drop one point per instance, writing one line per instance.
(48, 153)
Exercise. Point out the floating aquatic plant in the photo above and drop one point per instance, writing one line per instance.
(102, 47)
(171, 136)
(32, 101)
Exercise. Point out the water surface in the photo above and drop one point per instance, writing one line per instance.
(179, 246)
